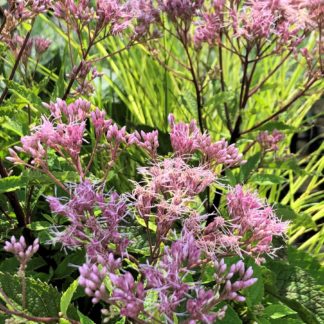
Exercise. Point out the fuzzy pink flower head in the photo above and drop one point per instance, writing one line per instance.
(253, 218)
(113, 13)
(21, 251)
(175, 175)
(94, 233)
(269, 142)
(208, 29)
(187, 139)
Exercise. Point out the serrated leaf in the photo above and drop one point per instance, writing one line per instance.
(298, 290)
(26, 94)
(42, 298)
(267, 179)
(67, 297)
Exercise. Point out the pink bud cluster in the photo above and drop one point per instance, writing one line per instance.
(187, 139)
(19, 248)
(253, 221)
(84, 74)
(92, 279)
(269, 142)
(18, 12)
(230, 288)
(145, 14)
(148, 141)
(128, 294)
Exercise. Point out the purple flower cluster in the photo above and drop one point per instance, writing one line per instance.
(87, 230)
(21, 251)
(128, 294)
(181, 9)
(168, 278)
(65, 133)
(167, 197)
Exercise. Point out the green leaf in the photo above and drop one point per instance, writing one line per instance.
(67, 297)
(275, 311)
(26, 94)
(276, 125)
(249, 166)
(39, 225)
(12, 183)
(306, 262)
(267, 179)
(84, 319)
(254, 294)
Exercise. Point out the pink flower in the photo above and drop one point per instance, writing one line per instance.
(269, 142)
(255, 220)
(148, 141)
(187, 139)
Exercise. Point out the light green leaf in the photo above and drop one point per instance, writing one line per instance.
(12, 183)
(267, 179)
(67, 297)
(277, 311)
(84, 319)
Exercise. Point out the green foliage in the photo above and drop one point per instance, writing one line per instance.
(42, 299)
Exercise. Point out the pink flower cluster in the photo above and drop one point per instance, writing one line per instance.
(65, 131)
(187, 139)
(111, 14)
(253, 221)
(63, 134)
(269, 142)
(21, 251)
(168, 188)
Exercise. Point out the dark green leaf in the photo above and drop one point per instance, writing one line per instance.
(267, 179)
